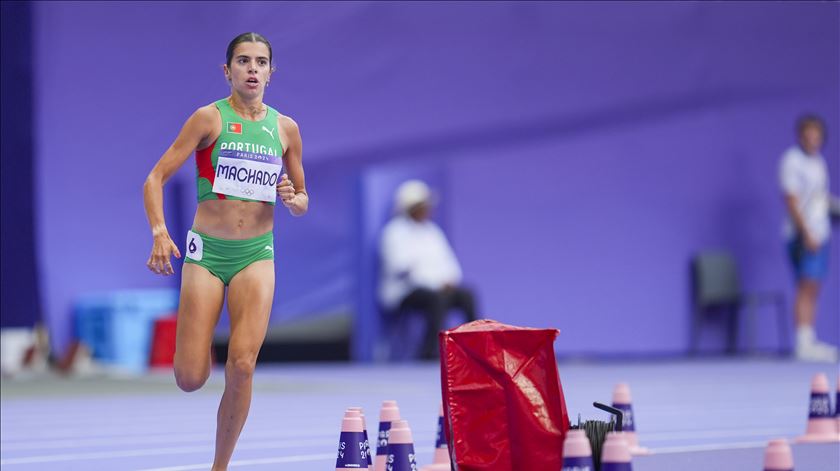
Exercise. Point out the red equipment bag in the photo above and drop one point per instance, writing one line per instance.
(502, 400)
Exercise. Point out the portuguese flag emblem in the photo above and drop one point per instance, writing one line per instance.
(234, 128)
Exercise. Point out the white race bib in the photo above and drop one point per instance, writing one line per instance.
(195, 246)
(247, 174)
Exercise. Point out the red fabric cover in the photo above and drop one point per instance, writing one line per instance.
(502, 398)
(163, 341)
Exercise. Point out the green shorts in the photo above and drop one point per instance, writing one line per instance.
(224, 258)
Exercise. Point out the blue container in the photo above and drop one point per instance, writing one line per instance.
(117, 325)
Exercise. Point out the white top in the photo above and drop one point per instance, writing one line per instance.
(805, 176)
(414, 255)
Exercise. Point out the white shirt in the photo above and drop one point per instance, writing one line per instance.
(414, 255)
(805, 177)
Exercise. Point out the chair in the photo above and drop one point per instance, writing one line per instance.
(402, 333)
(716, 286)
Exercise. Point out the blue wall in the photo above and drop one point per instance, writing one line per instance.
(586, 149)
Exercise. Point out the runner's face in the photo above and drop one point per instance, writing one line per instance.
(250, 68)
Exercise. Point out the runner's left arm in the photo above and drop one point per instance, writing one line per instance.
(292, 187)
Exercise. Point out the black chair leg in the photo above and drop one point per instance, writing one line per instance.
(732, 346)
(695, 330)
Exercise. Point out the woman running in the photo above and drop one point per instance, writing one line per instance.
(247, 155)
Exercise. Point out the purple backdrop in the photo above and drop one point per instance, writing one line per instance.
(587, 149)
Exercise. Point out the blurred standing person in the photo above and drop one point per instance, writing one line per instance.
(804, 182)
(419, 268)
(247, 154)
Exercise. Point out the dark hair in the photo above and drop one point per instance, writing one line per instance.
(808, 120)
(246, 38)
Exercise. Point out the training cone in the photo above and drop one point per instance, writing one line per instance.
(400, 448)
(615, 455)
(623, 402)
(352, 451)
(837, 406)
(577, 454)
(822, 427)
(777, 456)
(440, 462)
(361, 414)
(387, 415)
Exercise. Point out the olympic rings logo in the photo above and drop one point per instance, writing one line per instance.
(248, 192)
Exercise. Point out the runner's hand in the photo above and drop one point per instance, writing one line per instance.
(162, 249)
(286, 191)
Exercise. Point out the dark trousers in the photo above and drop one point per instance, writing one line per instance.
(434, 305)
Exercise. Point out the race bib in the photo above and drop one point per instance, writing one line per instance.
(195, 246)
(247, 174)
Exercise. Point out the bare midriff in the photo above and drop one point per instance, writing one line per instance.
(233, 219)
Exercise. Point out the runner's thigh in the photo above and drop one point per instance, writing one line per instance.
(250, 295)
(202, 295)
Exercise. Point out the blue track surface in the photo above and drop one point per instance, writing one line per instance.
(694, 415)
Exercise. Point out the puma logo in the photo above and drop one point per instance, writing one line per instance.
(270, 132)
(268, 247)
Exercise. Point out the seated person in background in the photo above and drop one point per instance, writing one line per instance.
(419, 269)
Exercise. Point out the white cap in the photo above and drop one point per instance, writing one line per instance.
(411, 193)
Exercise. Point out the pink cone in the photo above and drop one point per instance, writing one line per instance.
(623, 401)
(577, 453)
(777, 456)
(352, 451)
(616, 453)
(367, 440)
(837, 405)
(387, 415)
(401, 455)
(440, 462)
(822, 427)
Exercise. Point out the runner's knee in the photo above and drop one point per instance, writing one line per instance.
(240, 367)
(190, 379)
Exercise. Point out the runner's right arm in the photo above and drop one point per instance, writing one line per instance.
(195, 132)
